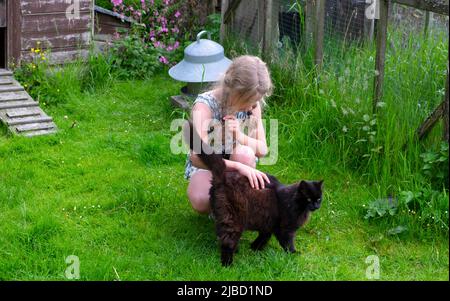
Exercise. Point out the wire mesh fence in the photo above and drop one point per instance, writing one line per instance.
(345, 21)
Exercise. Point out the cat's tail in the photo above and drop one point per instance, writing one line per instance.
(212, 160)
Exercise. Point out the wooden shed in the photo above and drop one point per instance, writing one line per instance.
(63, 26)
(66, 27)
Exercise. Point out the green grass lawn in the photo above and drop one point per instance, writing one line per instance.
(107, 189)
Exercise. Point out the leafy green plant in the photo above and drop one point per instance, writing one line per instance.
(32, 74)
(213, 26)
(382, 207)
(428, 207)
(132, 57)
(46, 83)
(435, 166)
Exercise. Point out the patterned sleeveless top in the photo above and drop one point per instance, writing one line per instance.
(208, 99)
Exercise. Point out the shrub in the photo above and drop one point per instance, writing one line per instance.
(132, 57)
(160, 22)
(435, 166)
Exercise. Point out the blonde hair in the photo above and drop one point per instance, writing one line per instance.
(247, 76)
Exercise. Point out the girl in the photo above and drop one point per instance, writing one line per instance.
(238, 96)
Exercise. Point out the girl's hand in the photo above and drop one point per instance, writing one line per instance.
(254, 176)
(232, 125)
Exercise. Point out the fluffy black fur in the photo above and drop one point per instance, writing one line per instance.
(278, 209)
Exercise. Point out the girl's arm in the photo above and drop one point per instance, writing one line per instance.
(230, 165)
(256, 139)
(201, 114)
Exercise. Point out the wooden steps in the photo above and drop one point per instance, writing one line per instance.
(19, 112)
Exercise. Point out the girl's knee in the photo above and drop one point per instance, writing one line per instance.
(244, 155)
(199, 200)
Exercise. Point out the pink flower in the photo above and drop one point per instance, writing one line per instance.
(116, 2)
(176, 45)
(169, 48)
(175, 30)
(177, 14)
(163, 60)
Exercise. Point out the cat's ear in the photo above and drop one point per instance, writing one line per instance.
(320, 184)
(303, 186)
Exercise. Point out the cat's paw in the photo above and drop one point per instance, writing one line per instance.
(226, 258)
(226, 262)
(294, 251)
(256, 246)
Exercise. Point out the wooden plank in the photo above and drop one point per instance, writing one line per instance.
(319, 32)
(6, 81)
(61, 55)
(26, 120)
(2, 14)
(30, 40)
(4, 72)
(429, 123)
(382, 24)
(52, 6)
(435, 6)
(40, 132)
(13, 96)
(23, 112)
(180, 102)
(18, 104)
(10, 88)
(58, 22)
(34, 127)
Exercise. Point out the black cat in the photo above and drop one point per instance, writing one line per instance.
(278, 209)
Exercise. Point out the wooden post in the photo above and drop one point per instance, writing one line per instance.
(319, 32)
(271, 31)
(382, 24)
(446, 112)
(223, 25)
(310, 12)
(428, 22)
(440, 112)
(268, 39)
(14, 31)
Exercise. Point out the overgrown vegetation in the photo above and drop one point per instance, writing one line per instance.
(327, 118)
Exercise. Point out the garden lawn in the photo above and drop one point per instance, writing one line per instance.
(107, 189)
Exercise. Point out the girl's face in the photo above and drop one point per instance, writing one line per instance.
(245, 106)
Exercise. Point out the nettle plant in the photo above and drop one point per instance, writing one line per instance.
(435, 166)
(358, 131)
(160, 21)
